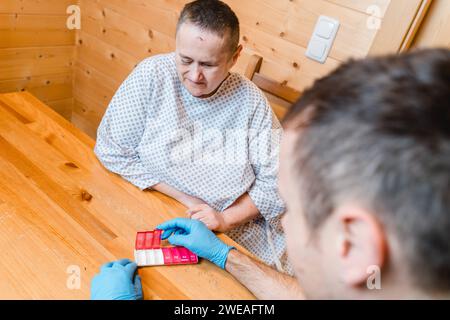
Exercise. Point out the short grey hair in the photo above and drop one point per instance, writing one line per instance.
(215, 16)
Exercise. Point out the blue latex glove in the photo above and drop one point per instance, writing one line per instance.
(117, 281)
(194, 235)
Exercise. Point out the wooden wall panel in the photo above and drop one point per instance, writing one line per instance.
(18, 30)
(398, 26)
(39, 54)
(117, 34)
(364, 6)
(37, 51)
(295, 24)
(24, 63)
(38, 7)
(435, 30)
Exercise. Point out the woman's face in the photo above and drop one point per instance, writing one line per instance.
(203, 59)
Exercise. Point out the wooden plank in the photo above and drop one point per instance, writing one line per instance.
(363, 6)
(253, 66)
(287, 63)
(273, 87)
(93, 92)
(123, 33)
(48, 181)
(89, 85)
(27, 234)
(395, 26)
(36, 38)
(24, 63)
(38, 51)
(110, 212)
(86, 115)
(415, 25)
(45, 87)
(32, 108)
(106, 58)
(64, 107)
(52, 92)
(435, 29)
(83, 121)
(100, 70)
(11, 110)
(39, 7)
(163, 19)
(297, 24)
(32, 22)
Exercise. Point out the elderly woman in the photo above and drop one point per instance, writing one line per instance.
(182, 124)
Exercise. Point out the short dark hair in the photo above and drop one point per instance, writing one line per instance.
(215, 16)
(378, 131)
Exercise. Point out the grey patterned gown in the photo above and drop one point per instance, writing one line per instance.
(215, 148)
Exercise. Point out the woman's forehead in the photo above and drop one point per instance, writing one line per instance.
(193, 40)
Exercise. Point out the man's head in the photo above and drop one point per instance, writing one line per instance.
(365, 173)
(207, 45)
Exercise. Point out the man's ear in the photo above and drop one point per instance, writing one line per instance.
(362, 244)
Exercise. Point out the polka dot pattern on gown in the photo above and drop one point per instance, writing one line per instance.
(216, 148)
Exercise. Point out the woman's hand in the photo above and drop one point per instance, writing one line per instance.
(213, 219)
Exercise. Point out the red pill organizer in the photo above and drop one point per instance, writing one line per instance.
(148, 251)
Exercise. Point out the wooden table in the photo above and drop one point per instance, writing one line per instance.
(62, 215)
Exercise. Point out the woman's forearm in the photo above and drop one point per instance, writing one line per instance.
(182, 197)
(241, 211)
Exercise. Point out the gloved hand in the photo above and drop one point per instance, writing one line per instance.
(194, 235)
(116, 281)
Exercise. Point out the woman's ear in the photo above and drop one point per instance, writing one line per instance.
(362, 245)
(236, 55)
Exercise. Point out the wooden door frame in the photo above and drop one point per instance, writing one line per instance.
(399, 27)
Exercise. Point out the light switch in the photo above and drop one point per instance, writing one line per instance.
(317, 48)
(322, 39)
(325, 29)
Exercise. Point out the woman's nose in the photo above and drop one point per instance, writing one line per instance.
(196, 74)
